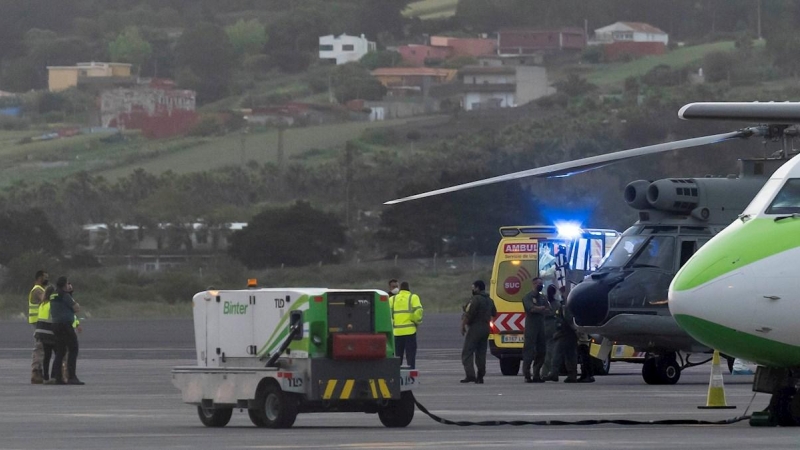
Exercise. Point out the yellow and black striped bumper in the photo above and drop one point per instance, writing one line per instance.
(352, 389)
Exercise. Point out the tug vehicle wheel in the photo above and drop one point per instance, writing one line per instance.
(214, 417)
(398, 413)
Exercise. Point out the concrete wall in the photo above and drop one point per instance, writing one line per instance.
(532, 83)
(386, 110)
(488, 100)
(61, 78)
(157, 112)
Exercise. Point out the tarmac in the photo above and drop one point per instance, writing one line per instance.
(128, 402)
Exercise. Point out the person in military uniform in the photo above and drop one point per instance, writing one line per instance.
(475, 325)
(566, 347)
(550, 330)
(534, 347)
(585, 358)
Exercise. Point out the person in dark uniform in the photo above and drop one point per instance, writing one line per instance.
(534, 347)
(585, 358)
(475, 325)
(550, 330)
(566, 347)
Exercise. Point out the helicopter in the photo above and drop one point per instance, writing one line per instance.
(626, 299)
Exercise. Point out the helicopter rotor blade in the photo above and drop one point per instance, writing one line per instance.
(568, 168)
(754, 112)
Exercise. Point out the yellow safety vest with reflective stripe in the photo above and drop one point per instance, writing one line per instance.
(33, 308)
(406, 313)
(44, 312)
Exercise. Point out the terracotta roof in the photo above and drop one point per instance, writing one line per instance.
(643, 27)
(412, 71)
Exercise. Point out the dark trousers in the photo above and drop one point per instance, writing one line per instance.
(534, 348)
(476, 342)
(585, 359)
(48, 353)
(567, 354)
(406, 345)
(66, 341)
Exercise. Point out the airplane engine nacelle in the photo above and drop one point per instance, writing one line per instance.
(636, 194)
(679, 195)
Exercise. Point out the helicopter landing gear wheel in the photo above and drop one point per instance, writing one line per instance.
(649, 371)
(663, 369)
(668, 369)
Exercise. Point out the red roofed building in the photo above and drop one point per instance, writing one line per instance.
(416, 55)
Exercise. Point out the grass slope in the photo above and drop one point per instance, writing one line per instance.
(606, 74)
(261, 147)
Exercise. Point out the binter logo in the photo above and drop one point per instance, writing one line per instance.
(234, 308)
(521, 248)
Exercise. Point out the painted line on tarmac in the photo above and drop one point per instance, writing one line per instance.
(112, 349)
(532, 443)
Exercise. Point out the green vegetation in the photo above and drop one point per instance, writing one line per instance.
(431, 9)
(606, 74)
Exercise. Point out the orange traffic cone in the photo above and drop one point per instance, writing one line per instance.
(716, 388)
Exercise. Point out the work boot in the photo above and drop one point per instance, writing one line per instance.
(571, 379)
(468, 380)
(75, 381)
(36, 377)
(551, 377)
(479, 380)
(534, 380)
(586, 380)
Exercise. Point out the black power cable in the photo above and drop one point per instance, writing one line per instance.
(493, 423)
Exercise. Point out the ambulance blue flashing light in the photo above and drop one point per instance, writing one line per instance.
(568, 230)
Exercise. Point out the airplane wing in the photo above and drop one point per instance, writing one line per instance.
(568, 168)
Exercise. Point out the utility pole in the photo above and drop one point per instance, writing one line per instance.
(281, 128)
(759, 19)
(243, 144)
(349, 149)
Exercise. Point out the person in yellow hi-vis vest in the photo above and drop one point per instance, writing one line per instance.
(44, 334)
(35, 297)
(406, 317)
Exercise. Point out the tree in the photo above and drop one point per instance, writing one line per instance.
(27, 231)
(352, 80)
(382, 58)
(206, 57)
(247, 37)
(130, 47)
(296, 235)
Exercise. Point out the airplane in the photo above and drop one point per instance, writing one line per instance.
(643, 318)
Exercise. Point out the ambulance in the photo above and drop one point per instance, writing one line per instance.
(527, 252)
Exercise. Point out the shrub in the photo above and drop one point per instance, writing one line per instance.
(206, 126)
(14, 123)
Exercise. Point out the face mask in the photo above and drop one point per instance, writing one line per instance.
(539, 287)
(395, 291)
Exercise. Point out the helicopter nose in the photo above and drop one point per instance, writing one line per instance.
(588, 302)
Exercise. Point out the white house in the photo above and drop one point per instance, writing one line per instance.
(490, 87)
(629, 32)
(344, 49)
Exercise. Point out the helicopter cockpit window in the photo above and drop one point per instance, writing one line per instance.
(788, 199)
(626, 247)
(659, 252)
